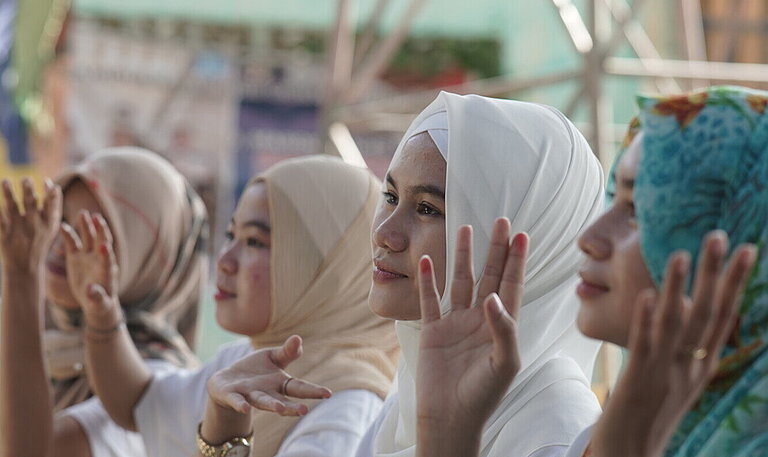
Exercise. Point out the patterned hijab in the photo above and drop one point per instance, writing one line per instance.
(321, 210)
(159, 226)
(704, 167)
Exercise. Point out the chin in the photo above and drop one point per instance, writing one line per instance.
(390, 306)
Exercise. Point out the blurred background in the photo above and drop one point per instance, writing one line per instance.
(225, 88)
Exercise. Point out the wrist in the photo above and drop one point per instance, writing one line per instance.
(443, 437)
(14, 271)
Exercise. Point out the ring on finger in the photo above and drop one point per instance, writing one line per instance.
(284, 388)
(699, 353)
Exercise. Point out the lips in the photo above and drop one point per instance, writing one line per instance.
(590, 287)
(223, 294)
(383, 273)
(56, 268)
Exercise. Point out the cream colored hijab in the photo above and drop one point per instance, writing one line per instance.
(321, 211)
(529, 163)
(159, 226)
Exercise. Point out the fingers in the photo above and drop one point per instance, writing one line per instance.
(728, 297)
(429, 300)
(463, 274)
(103, 234)
(86, 230)
(52, 204)
(28, 196)
(288, 352)
(99, 298)
(497, 257)
(10, 200)
(713, 249)
(280, 405)
(668, 317)
(237, 402)
(639, 341)
(108, 267)
(300, 388)
(512, 280)
(72, 241)
(505, 358)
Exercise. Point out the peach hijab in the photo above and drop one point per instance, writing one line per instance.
(321, 211)
(159, 226)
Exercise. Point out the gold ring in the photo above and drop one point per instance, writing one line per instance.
(699, 353)
(284, 389)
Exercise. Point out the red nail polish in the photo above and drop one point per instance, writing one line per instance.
(103, 249)
(424, 264)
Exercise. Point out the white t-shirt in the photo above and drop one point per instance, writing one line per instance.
(569, 395)
(174, 404)
(580, 443)
(106, 438)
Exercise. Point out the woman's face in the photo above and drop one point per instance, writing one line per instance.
(409, 223)
(77, 197)
(244, 303)
(614, 273)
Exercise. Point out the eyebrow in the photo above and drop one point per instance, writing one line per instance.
(421, 188)
(254, 223)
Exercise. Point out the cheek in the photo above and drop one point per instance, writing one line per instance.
(634, 279)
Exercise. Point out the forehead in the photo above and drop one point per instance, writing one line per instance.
(626, 169)
(78, 196)
(253, 204)
(419, 162)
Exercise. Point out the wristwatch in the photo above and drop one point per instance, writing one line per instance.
(236, 447)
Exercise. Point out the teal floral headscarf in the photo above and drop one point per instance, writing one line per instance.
(704, 166)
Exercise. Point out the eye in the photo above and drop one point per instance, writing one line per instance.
(427, 210)
(255, 243)
(390, 198)
(229, 235)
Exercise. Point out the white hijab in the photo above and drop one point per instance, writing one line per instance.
(529, 163)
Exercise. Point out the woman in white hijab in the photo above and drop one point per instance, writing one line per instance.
(528, 163)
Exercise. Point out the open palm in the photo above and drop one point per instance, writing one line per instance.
(468, 358)
(92, 269)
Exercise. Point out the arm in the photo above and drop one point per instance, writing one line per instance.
(256, 381)
(471, 353)
(26, 407)
(118, 374)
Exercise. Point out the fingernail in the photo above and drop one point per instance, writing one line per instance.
(717, 242)
(684, 262)
(518, 243)
(424, 264)
(103, 248)
(751, 254)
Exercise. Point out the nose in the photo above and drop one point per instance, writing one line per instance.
(389, 236)
(594, 242)
(227, 261)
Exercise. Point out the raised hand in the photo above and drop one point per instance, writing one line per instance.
(92, 270)
(469, 357)
(25, 238)
(675, 343)
(259, 381)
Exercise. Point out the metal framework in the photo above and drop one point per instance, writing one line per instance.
(592, 40)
